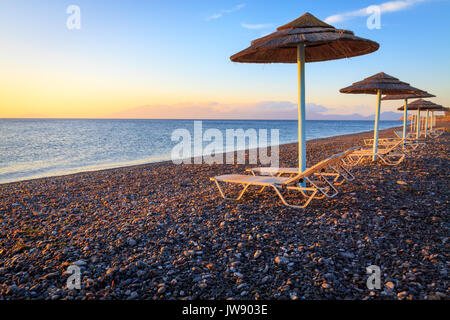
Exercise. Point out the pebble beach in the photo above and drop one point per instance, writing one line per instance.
(162, 231)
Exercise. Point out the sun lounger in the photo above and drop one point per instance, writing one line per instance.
(390, 155)
(335, 169)
(408, 146)
(310, 184)
(423, 134)
(409, 135)
(437, 132)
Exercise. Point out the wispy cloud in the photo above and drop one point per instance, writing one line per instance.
(256, 26)
(391, 6)
(225, 11)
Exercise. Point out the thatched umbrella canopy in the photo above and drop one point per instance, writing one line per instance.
(423, 105)
(306, 39)
(322, 42)
(379, 84)
(405, 97)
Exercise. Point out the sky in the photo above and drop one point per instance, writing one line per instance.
(170, 59)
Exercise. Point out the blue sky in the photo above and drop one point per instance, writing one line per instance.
(170, 54)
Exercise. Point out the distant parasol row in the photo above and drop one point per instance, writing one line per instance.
(308, 39)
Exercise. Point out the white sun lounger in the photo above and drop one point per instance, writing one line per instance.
(408, 146)
(310, 184)
(335, 169)
(390, 155)
(409, 135)
(437, 132)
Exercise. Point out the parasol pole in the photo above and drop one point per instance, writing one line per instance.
(405, 122)
(377, 119)
(426, 124)
(301, 107)
(432, 120)
(418, 124)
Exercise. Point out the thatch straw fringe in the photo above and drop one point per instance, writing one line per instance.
(423, 105)
(407, 96)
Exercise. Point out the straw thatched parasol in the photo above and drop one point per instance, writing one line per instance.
(322, 42)
(306, 39)
(379, 84)
(423, 105)
(405, 111)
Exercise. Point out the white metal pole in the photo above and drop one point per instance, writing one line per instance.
(426, 124)
(377, 119)
(405, 122)
(432, 120)
(418, 124)
(301, 107)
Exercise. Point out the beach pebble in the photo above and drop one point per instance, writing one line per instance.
(281, 260)
(389, 286)
(257, 254)
(347, 255)
(80, 263)
(131, 242)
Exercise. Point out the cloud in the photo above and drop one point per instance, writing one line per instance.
(215, 16)
(391, 6)
(238, 7)
(225, 11)
(256, 26)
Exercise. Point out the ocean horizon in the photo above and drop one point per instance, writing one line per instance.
(37, 148)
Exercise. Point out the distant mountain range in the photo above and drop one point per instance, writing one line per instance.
(277, 110)
(388, 115)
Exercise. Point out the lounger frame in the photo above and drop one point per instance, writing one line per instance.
(313, 183)
(386, 155)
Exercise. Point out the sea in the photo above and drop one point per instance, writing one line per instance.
(35, 148)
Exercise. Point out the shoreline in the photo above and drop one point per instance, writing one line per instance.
(122, 166)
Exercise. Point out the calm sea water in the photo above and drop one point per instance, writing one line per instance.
(33, 148)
